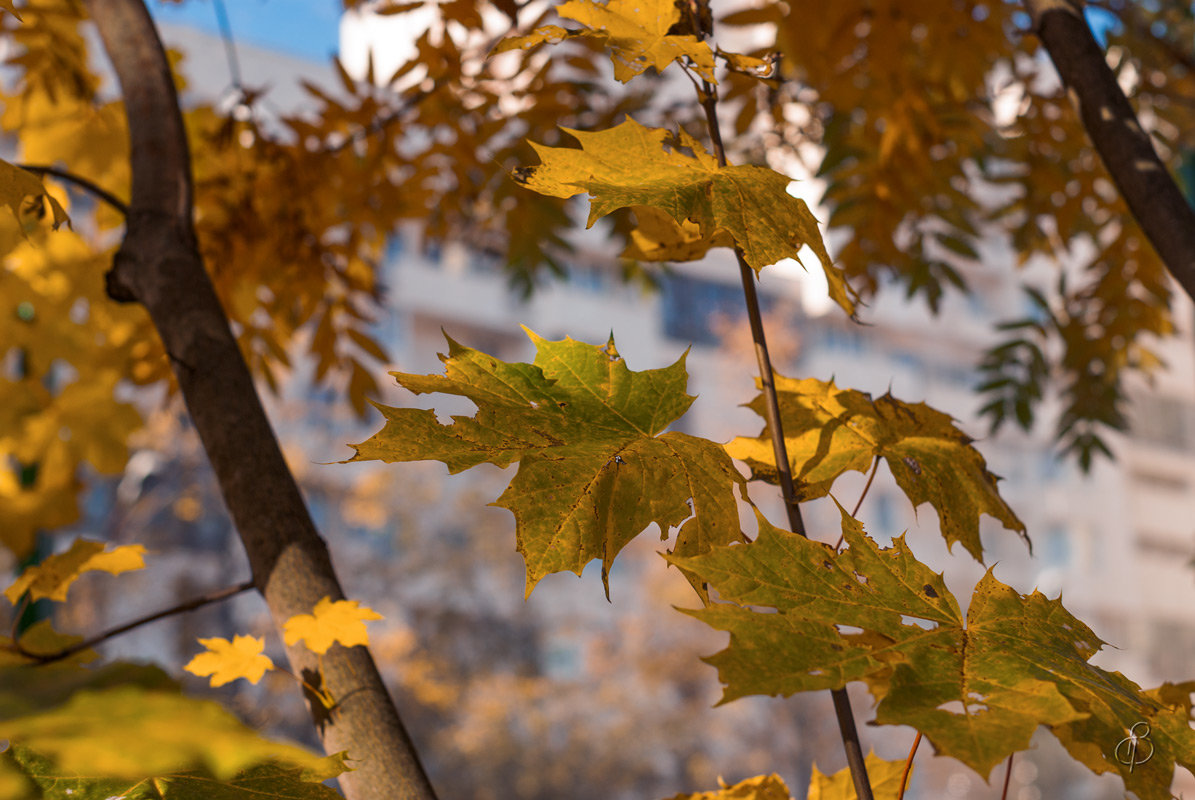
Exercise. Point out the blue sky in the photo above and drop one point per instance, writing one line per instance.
(307, 28)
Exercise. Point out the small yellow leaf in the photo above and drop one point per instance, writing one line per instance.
(747, 65)
(340, 621)
(884, 777)
(761, 787)
(6, 5)
(226, 661)
(16, 184)
(52, 578)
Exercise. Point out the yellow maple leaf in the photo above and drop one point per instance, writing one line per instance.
(226, 661)
(53, 577)
(761, 787)
(636, 31)
(633, 165)
(884, 776)
(340, 621)
(659, 237)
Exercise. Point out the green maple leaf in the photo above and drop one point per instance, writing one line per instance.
(976, 687)
(627, 165)
(636, 31)
(595, 469)
(266, 781)
(829, 431)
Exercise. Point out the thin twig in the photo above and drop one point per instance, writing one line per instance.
(904, 776)
(1007, 776)
(189, 605)
(83, 183)
(875, 465)
(842, 702)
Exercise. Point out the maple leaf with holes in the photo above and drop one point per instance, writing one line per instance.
(595, 465)
(830, 431)
(52, 578)
(329, 623)
(227, 661)
(628, 166)
(977, 687)
(636, 31)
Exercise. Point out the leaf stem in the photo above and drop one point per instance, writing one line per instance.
(322, 694)
(842, 703)
(1007, 776)
(875, 465)
(189, 605)
(904, 776)
(83, 183)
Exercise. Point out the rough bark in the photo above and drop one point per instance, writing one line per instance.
(1126, 150)
(159, 266)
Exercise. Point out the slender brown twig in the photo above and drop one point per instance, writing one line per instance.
(842, 703)
(875, 465)
(87, 644)
(904, 776)
(1007, 776)
(77, 180)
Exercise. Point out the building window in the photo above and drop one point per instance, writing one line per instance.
(1163, 546)
(1164, 421)
(1056, 549)
(690, 305)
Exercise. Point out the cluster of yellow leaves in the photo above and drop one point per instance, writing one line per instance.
(67, 347)
(907, 101)
(1105, 321)
(896, 88)
(330, 622)
(52, 578)
(636, 33)
(292, 217)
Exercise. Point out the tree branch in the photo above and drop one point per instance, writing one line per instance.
(78, 180)
(1143, 180)
(159, 266)
(849, 733)
(87, 644)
